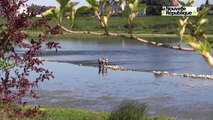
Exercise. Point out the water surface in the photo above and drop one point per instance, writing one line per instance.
(83, 87)
(131, 54)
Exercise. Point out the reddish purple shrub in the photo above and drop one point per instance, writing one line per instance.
(16, 68)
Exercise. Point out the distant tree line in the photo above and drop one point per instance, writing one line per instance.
(155, 6)
(38, 8)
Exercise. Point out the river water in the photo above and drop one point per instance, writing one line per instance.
(131, 54)
(84, 87)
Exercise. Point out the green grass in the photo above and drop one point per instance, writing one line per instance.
(70, 114)
(126, 110)
(142, 25)
(104, 38)
(77, 114)
(133, 110)
(154, 28)
(162, 29)
(168, 38)
(146, 24)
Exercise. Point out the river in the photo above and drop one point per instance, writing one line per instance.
(131, 54)
(79, 85)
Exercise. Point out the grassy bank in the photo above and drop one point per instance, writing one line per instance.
(153, 28)
(85, 37)
(168, 38)
(145, 24)
(142, 25)
(69, 114)
(126, 110)
(78, 114)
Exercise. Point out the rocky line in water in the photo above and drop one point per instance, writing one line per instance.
(187, 75)
(155, 72)
(161, 73)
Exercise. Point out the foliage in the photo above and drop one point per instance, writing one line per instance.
(189, 3)
(155, 6)
(103, 13)
(130, 10)
(15, 68)
(59, 11)
(37, 8)
(129, 110)
(197, 38)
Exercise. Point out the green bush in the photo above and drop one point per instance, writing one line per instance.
(129, 110)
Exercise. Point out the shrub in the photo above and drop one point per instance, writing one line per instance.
(16, 68)
(129, 110)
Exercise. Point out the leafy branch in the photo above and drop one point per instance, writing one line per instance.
(59, 11)
(135, 7)
(130, 10)
(197, 38)
(102, 16)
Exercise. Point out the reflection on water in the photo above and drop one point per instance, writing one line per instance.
(102, 70)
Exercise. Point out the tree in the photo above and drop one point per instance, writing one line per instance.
(15, 68)
(155, 6)
(207, 2)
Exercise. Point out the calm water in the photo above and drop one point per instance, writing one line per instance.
(82, 87)
(131, 54)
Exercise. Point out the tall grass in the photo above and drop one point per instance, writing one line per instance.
(133, 110)
(129, 110)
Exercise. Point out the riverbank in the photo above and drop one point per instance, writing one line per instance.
(164, 30)
(141, 25)
(163, 38)
(67, 36)
(145, 26)
(49, 113)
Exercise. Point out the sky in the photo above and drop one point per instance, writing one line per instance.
(53, 2)
(83, 2)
